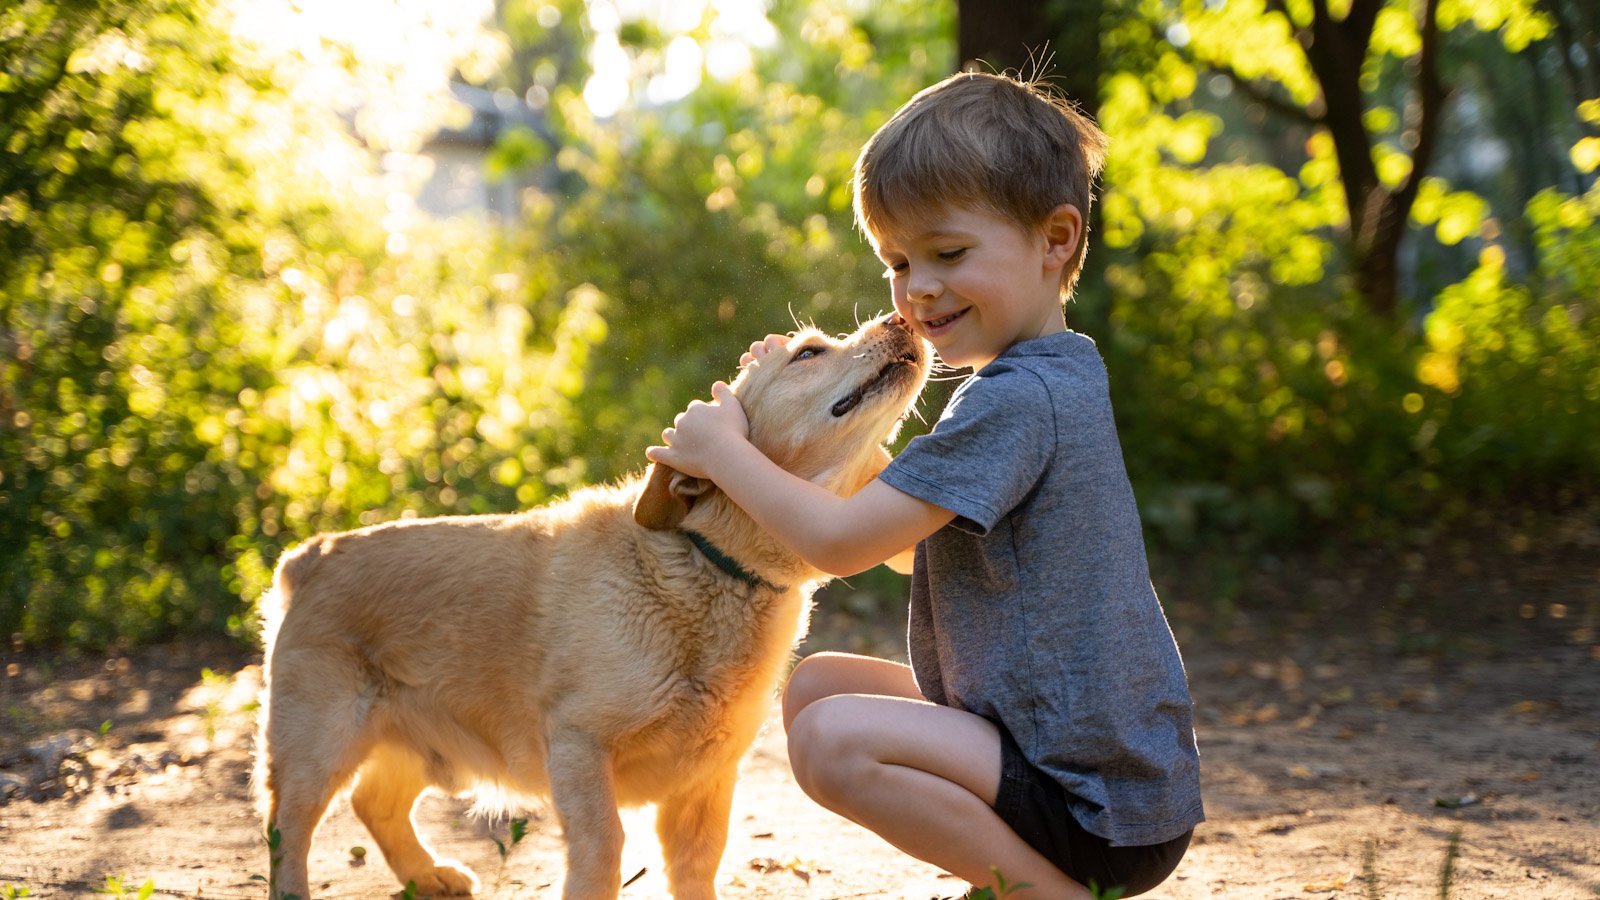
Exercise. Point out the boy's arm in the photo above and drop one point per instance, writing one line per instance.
(839, 535)
(902, 562)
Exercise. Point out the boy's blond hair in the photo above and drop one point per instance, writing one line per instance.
(1012, 148)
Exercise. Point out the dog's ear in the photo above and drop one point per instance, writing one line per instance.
(667, 497)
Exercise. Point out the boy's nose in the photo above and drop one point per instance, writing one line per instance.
(923, 288)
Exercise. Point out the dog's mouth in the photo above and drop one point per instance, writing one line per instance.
(905, 363)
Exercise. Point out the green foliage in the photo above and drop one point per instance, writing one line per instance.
(219, 335)
(210, 346)
(1256, 396)
(111, 258)
(710, 222)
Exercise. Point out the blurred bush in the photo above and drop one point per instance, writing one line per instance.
(217, 337)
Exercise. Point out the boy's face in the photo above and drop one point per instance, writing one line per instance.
(973, 283)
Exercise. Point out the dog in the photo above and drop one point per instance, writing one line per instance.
(616, 648)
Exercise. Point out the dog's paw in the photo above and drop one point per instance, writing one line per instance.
(444, 880)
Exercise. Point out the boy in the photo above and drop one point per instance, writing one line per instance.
(1043, 729)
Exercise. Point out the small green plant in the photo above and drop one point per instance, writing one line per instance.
(1111, 893)
(274, 839)
(116, 888)
(13, 891)
(1001, 888)
(1369, 870)
(1447, 871)
(216, 689)
(410, 893)
(105, 728)
(518, 831)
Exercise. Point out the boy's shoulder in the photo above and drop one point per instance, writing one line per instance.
(1068, 360)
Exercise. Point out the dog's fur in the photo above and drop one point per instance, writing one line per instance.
(585, 651)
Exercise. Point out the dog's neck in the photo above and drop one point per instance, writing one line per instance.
(727, 527)
(731, 531)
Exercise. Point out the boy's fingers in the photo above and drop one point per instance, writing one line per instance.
(762, 347)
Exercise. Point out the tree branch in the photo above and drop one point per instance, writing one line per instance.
(1357, 25)
(1249, 87)
(1577, 81)
(1261, 95)
(1432, 95)
(1301, 32)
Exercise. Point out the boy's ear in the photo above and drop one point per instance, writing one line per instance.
(1063, 230)
(667, 497)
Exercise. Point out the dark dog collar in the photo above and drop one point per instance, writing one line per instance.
(727, 563)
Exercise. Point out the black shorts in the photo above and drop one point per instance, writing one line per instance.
(1035, 806)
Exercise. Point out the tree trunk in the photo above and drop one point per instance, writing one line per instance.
(1335, 49)
(1057, 38)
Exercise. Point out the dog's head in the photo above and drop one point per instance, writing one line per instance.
(821, 408)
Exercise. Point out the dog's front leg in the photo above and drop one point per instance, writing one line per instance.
(585, 800)
(693, 828)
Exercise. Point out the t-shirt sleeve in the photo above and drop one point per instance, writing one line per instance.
(987, 451)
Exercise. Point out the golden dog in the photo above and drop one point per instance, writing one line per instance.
(618, 647)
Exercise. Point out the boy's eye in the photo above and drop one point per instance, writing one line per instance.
(953, 255)
(809, 352)
(897, 268)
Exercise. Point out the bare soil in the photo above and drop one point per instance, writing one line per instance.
(1411, 698)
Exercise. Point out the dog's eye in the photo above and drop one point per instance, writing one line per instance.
(809, 352)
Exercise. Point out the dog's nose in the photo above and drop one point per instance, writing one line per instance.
(896, 320)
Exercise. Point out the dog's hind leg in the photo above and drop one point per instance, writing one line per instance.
(693, 828)
(581, 787)
(314, 740)
(387, 789)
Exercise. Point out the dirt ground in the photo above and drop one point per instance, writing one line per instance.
(1422, 696)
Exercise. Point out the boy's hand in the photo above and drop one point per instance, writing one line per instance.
(701, 431)
(762, 347)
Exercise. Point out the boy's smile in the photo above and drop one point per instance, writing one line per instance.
(973, 283)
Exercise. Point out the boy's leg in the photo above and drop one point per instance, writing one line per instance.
(827, 674)
(922, 776)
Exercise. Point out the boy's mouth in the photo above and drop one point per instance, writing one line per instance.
(939, 324)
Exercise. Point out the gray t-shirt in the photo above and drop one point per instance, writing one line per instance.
(1034, 607)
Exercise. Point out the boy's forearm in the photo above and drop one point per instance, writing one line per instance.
(807, 518)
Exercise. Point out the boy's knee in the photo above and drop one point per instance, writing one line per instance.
(826, 751)
(807, 684)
